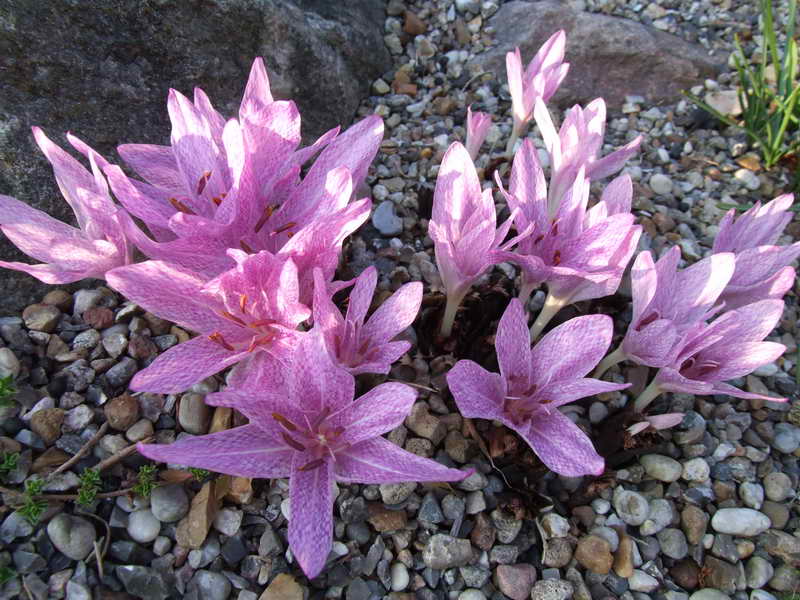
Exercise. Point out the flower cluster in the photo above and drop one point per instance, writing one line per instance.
(243, 231)
(700, 326)
(244, 234)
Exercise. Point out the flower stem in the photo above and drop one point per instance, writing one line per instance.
(649, 394)
(525, 291)
(551, 306)
(617, 356)
(450, 310)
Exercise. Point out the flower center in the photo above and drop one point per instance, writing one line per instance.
(262, 331)
(319, 437)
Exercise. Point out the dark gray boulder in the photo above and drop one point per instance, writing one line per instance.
(610, 57)
(102, 69)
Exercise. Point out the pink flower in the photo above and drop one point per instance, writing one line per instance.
(762, 270)
(478, 124)
(250, 308)
(668, 304)
(533, 383)
(360, 347)
(730, 347)
(463, 229)
(580, 254)
(656, 422)
(237, 184)
(577, 146)
(68, 254)
(540, 80)
(312, 431)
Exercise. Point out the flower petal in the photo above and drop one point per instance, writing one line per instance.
(513, 343)
(311, 505)
(563, 446)
(380, 410)
(380, 461)
(395, 314)
(242, 451)
(572, 349)
(477, 392)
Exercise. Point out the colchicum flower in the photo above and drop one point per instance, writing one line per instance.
(360, 347)
(540, 80)
(730, 347)
(533, 383)
(463, 229)
(762, 270)
(250, 308)
(237, 184)
(580, 254)
(668, 305)
(68, 254)
(577, 146)
(478, 124)
(313, 432)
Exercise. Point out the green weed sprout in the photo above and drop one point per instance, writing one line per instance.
(33, 507)
(7, 390)
(146, 481)
(8, 462)
(90, 485)
(769, 111)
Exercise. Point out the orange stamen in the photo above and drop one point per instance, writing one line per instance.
(246, 247)
(312, 465)
(243, 303)
(265, 217)
(217, 337)
(557, 258)
(226, 315)
(292, 442)
(284, 421)
(286, 227)
(201, 185)
(180, 206)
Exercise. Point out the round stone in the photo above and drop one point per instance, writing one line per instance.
(673, 543)
(169, 503)
(642, 582)
(73, 536)
(9, 363)
(661, 184)
(752, 494)
(210, 586)
(594, 553)
(661, 467)
(740, 521)
(709, 594)
(143, 527)
(194, 414)
(631, 507)
(777, 486)
(552, 589)
(758, 572)
(400, 577)
(386, 221)
(696, 469)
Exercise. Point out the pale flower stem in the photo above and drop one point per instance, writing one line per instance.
(512, 140)
(649, 394)
(450, 310)
(551, 306)
(525, 291)
(617, 356)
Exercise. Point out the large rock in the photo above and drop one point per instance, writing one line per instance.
(609, 57)
(102, 69)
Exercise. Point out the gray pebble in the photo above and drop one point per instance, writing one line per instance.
(444, 551)
(72, 536)
(673, 543)
(778, 486)
(169, 503)
(552, 589)
(386, 221)
(740, 521)
(631, 507)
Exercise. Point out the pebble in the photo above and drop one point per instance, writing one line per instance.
(740, 521)
(515, 581)
(631, 507)
(552, 589)
(752, 494)
(659, 516)
(121, 373)
(661, 184)
(72, 536)
(143, 527)
(9, 363)
(506, 525)
(594, 553)
(194, 414)
(444, 551)
(41, 317)
(400, 577)
(555, 526)
(642, 582)
(121, 412)
(169, 503)
(758, 572)
(662, 468)
(395, 493)
(696, 470)
(139, 430)
(209, 585)
(709, 594)
(777, 486)
(385, 220)
(673, 543)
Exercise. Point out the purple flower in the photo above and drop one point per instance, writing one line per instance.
(576, 146)
(730, 347)
(668, 303)
(580, 254)
(540, 80)
(762, 270)
(463, 229)
(68, 254)
(478, 124)
(656, 422)
(533, 383)
(312, 431)
(250, 308)
(237, 184)
(360, 347)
